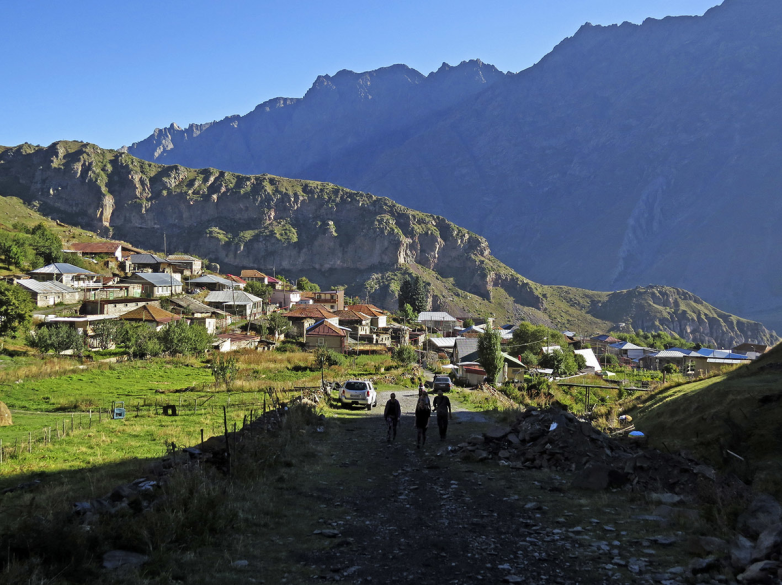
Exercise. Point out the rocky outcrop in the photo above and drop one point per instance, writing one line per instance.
(329, 234)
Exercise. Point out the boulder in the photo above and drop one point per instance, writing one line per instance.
(5, 416)
(764, 572)
(762, 512)
(698, 566)
(769, 541)
(115, 559)
(741, 552)
(496, 433)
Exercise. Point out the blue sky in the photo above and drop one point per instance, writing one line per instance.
(111, 72)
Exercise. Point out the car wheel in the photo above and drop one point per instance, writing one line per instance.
(369, 407)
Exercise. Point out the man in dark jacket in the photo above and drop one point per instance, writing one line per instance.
(442, 405)
(392, 414)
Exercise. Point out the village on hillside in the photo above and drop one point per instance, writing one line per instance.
(257, 311)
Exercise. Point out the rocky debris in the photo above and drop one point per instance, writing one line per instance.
(769, 543)
(555, 439)
(114, 559)
(762, 512)
(764, 572)
(129, 498)
(28, 485)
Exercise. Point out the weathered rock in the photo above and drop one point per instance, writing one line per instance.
(239, 564)
(707, 545)
(769, 541)
(741, 552)
(698, 566)
(764, 572)
(762, 512)
(123, 558)
(674, 514)
(504, 454)
(496, 434)
(664, 498)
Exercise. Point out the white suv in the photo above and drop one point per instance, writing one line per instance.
(358, 392)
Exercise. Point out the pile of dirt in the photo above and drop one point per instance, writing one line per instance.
(5, 416)
(555, 439)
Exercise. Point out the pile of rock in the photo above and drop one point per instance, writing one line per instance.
(555, 439)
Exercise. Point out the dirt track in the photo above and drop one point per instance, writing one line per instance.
(394, 514)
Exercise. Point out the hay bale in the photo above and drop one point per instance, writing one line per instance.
(5, 416)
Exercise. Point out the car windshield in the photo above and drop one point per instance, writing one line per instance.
(355, 386)
(442, 380)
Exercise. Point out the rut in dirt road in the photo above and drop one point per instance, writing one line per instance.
(424, 517)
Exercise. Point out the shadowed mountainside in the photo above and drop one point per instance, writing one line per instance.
(656, 144)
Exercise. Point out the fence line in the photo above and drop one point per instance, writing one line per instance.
(67, 425)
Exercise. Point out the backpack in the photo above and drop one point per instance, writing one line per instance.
(423, 405)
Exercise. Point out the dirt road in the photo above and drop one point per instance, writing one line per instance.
(395, 514)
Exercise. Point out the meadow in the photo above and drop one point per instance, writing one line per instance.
(60, 406)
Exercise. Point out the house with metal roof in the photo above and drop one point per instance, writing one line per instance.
(146, 263)
(689, 362)
(465, 349)
(210, 282)
(48, 293)
(156, 284)
(438, 320)
(185, 265)
(236, 302)
(751, 350)
(631, 351)
(67, 274)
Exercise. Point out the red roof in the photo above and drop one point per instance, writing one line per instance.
(310, 312)
(94, 247)
(149, 313)
(350, 315)
(474, 370)
(370, 310)
(325, 328)
(238, 337)
(235, 279)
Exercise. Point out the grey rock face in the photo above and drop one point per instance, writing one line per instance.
(763, 511)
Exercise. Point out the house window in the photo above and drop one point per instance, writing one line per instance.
(321, 341)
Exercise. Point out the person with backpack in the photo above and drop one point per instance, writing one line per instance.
(392, 414)
(423, 410)
(442, 405)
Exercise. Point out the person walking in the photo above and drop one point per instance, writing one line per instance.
(442, 406)
(423, 410)
(392, 414)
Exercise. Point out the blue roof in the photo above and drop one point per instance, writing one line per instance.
(684, 351)
(159, 278)
(61, 268)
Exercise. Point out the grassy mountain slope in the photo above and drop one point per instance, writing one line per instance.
(329, 234)
(739, 412)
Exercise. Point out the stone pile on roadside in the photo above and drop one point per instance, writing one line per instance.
(555, 439)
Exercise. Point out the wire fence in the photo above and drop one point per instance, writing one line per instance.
(66, 425)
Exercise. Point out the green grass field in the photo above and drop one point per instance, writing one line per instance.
(59, 406)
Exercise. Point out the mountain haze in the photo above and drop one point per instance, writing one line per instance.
(630, 154)
(332, 236)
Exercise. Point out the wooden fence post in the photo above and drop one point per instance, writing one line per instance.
(90, 418)
(227, 444)
(29, 441)
(202, 436)
(71, 423)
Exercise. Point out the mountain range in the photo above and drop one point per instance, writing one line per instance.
(333, 236)
(629, 154)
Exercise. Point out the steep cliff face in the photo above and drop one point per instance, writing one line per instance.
(329, 234)
(656, 143)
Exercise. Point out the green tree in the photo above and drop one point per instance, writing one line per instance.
(13, 250)
(106, 332)
(404, 355)
(468, 322)
(304, 284)
(260, 290)
(490, 353)
(16, 309)
(529, 358)
(57, 338)
(224, 369)
(581, 361)
(139, 339)
(46, 244)
(414, 292)
(670, 368)
(181, 338)
(529, 337)
(277, 324)
(408, 314)
(325, 358)
(562, 362)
